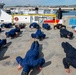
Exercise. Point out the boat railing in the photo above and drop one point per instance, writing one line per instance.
(14, 16)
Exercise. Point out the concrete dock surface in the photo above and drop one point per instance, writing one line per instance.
(50, 49)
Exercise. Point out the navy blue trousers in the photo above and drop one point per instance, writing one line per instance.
(65, 33)
(70, 55)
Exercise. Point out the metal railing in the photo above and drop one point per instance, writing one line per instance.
(48, 15)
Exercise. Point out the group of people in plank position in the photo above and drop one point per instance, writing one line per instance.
(32, 59)
(12, 33)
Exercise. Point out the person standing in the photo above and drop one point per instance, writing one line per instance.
(59, 13)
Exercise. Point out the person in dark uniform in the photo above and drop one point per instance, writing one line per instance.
(31, 59)
(46, 26)
(6, 25)
(70, 59)
(34, 25)
(3, 42)
(59, 13)
(13, 33)
(21, 26)
(65, 33)
(59, 26)
(38, 35)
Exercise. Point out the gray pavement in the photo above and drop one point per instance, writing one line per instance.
(51, 50)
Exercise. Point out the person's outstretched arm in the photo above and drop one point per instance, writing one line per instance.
(38, 62)
(63, 11)
(66, 65)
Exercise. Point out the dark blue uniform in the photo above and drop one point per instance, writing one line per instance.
(65, 33)
(12, 32)
(70, 55)
(59, 26)
(2, 42)
(60, 12)
(34, 25)
(8, 25)
(31, 59)
(21, 26)
(46, 26)
(38, 35)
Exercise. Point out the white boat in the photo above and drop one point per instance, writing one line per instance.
(29, 17)
(5, 17)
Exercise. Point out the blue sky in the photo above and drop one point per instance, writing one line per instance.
(38, 2)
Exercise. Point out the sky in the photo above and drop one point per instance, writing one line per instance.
(38, 2)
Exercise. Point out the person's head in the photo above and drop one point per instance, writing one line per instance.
(75, 29)
(59, 8)
(53, 18)
(59, 26)
(37, 27)
(31, 27)
(70, 35)
(17, 26)
(36, 42)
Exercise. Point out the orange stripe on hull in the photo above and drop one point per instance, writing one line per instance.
(51, 21)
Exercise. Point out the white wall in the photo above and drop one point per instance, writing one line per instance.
(4, 17)
(22, 19)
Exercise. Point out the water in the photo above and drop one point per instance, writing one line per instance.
(48, 11)
(73, 12)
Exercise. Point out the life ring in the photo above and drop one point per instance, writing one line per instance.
(16, 19)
